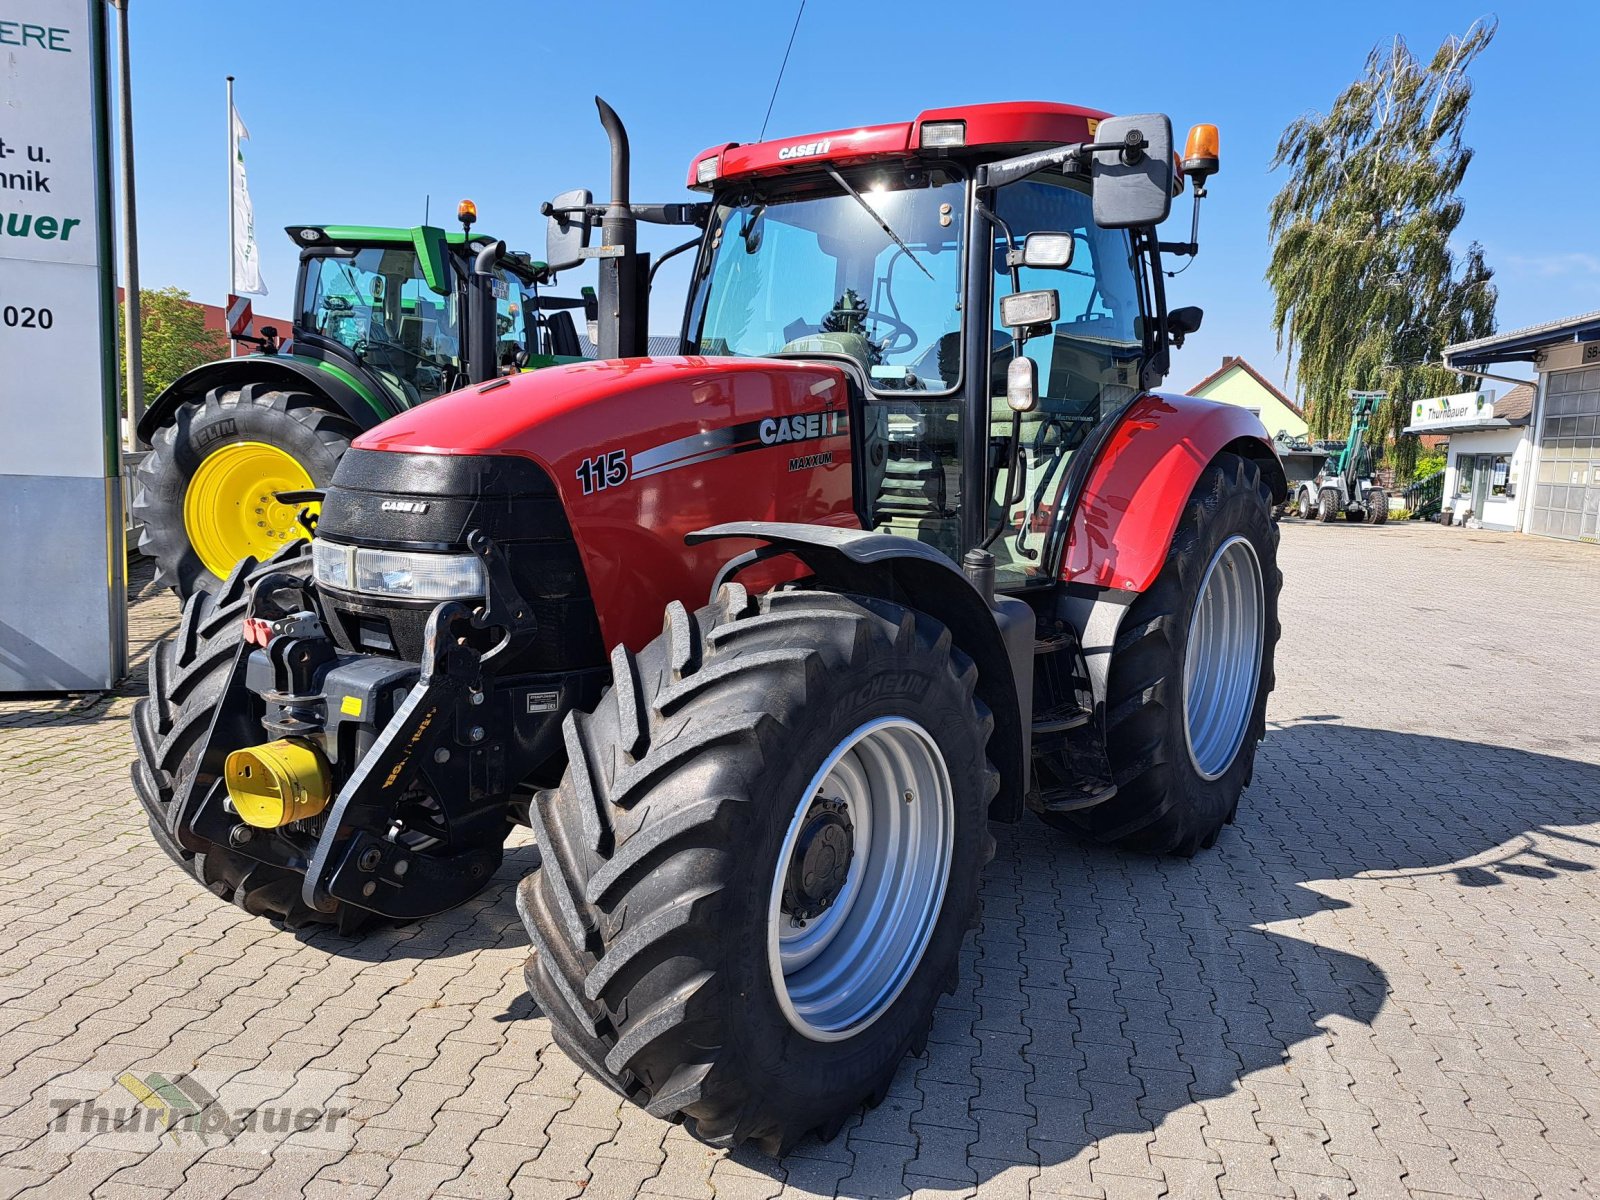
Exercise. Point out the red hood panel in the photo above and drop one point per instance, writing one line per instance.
(646, 450)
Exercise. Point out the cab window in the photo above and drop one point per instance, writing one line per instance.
(1088, 362)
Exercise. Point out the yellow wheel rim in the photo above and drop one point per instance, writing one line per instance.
(229, 510)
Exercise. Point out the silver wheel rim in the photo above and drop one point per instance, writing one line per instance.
(840, 970)
(1223, 663)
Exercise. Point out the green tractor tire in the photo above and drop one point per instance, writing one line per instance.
(205, 495)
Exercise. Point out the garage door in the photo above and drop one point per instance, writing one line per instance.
(1566, 503)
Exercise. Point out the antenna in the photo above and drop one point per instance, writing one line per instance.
(427, 207)
(776, 83)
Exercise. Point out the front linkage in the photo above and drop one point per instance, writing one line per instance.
(387, 786)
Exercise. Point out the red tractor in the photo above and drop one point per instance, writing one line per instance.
(760, 638)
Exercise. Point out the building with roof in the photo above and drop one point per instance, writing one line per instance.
(1562, 477)
(1236, 382)
(1490, 453)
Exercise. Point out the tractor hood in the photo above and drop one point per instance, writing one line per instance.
(645, 451)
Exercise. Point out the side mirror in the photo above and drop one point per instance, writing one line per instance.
(1048, 251)
(1183, 321)
(567, 236)
(1133, 183)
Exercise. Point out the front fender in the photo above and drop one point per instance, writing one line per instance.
(361, 405)
(999, 638)
(1128, 510)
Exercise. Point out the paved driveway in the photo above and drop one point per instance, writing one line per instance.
(1382, 981)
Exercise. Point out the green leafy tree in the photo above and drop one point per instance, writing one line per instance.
(174, 337)
(1368, 287)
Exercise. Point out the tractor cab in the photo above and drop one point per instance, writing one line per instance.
(394, 303)
(872, 262)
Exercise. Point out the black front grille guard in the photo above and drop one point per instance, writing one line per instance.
(454, 737)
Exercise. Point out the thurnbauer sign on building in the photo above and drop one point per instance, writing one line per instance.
(1463, 408)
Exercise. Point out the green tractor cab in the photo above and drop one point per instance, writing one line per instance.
(385, 319)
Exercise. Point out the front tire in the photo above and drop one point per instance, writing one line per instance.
(188, 672)
(1307, 507)
(666, 915)
(1191, 672)
(1328, 505)
(204, 492)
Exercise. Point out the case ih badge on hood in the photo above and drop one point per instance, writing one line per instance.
(758, 710)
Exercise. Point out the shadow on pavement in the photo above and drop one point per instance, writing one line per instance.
(1106, 991)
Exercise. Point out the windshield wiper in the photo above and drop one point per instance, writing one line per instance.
(882, 224)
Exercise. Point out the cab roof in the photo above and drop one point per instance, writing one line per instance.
(1014, 126)
(375, 235)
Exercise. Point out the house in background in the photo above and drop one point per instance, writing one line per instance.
(1236, 382)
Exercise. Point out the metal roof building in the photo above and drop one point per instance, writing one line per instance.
(1560, 480)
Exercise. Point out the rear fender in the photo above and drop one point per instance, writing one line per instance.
(286, 371)
(907, 572)
(1129, 508)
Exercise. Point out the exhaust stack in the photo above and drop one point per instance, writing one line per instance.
(624, 298)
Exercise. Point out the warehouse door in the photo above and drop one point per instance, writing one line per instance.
(1566, 503)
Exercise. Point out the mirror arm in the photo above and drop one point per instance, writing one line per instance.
(1192, 246)
(1009, 170)
(1012, 255)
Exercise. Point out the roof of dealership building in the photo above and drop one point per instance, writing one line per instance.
(1522, 344)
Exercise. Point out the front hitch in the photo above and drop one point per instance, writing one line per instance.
(430, 754)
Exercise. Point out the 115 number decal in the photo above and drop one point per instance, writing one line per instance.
(603, 470)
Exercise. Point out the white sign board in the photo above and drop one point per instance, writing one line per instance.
(50, 251)
(1463, 408)
(62, 616)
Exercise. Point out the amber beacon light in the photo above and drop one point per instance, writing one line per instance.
(1200, 157)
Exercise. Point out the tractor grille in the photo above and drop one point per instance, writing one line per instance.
(441, 498)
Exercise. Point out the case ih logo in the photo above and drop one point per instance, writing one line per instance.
(404, 506)
(776, 430)
(805, 149)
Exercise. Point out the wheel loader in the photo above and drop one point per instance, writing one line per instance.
(384, 319)
(760, 638)
(1345, 482)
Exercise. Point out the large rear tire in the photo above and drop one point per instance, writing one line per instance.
(683, 952)
(1191, 672)
(204, 493)
(1377, 507)
(187, 674)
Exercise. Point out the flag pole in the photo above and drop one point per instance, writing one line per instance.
(132, 322)
(232, 151)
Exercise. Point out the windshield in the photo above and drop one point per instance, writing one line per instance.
(819, 274)
(376, 303)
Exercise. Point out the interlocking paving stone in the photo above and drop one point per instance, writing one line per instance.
(1380, 982)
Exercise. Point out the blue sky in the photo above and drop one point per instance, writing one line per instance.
(358, 111)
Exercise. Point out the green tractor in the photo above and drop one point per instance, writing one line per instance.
(384, 320)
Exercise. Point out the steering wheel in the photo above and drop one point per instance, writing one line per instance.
(902, 337)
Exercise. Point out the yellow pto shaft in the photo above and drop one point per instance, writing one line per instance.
(277, 783)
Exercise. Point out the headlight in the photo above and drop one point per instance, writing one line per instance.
(398, 573)
(330, 563)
